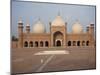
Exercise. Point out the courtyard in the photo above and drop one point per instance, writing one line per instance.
(34, 60)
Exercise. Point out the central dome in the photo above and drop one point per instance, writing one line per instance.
(38, 27)
(58, 21)
(77, 28)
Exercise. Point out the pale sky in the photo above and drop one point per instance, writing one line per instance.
(32, 11)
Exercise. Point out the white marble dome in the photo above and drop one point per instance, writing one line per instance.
(77, 28)
(58, 21)
(38, 27)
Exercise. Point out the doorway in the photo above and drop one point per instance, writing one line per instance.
(58, 43)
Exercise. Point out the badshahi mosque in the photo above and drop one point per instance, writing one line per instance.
(57, 37)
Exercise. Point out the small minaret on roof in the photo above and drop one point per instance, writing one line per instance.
(91, 24)
(20, 20)
(87, 28)
(27, 27)
(20, 33)
(20, 23)
(27, 23)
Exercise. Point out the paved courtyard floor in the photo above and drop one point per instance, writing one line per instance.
(33, 60)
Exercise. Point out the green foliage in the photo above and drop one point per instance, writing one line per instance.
(14, 38)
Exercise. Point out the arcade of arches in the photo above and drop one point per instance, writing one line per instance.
(78, 43)
(36, 44)
(58, 40)
(58, 43)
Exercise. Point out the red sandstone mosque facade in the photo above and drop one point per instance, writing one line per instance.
(57, 37)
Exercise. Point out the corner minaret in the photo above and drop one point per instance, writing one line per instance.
(20, 33)
(27, 28)
(90, 29)
(87, 29)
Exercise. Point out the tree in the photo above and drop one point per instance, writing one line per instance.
(14, 38)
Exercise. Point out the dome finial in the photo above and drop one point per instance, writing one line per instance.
(58, 21)
(39, 18)
(77, 20)
(27, 22)
(20, 20)
(58, 13)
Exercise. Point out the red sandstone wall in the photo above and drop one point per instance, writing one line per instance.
(14, 44)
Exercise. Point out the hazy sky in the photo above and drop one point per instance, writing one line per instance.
(32, 11)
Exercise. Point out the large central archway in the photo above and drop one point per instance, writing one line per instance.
(58, 39)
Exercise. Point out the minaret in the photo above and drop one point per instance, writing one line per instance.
(50, 26)
(66, 26)
(20, 33)
(90, 29)
(27, 28)
(87, 29)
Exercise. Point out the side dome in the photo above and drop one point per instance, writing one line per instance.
(58, 21)
(38, 27)
(77, 28)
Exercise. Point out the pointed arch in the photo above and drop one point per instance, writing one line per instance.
(74, 43)
(41, 43)
(58, 43)
(46, 44)
(25, 44)
(78, 43)
(36, 43)
(83, 43)
(31, 44)
(69, 43)
(87, 43)
(57, 35)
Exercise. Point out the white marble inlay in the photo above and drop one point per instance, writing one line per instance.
(52, 52)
